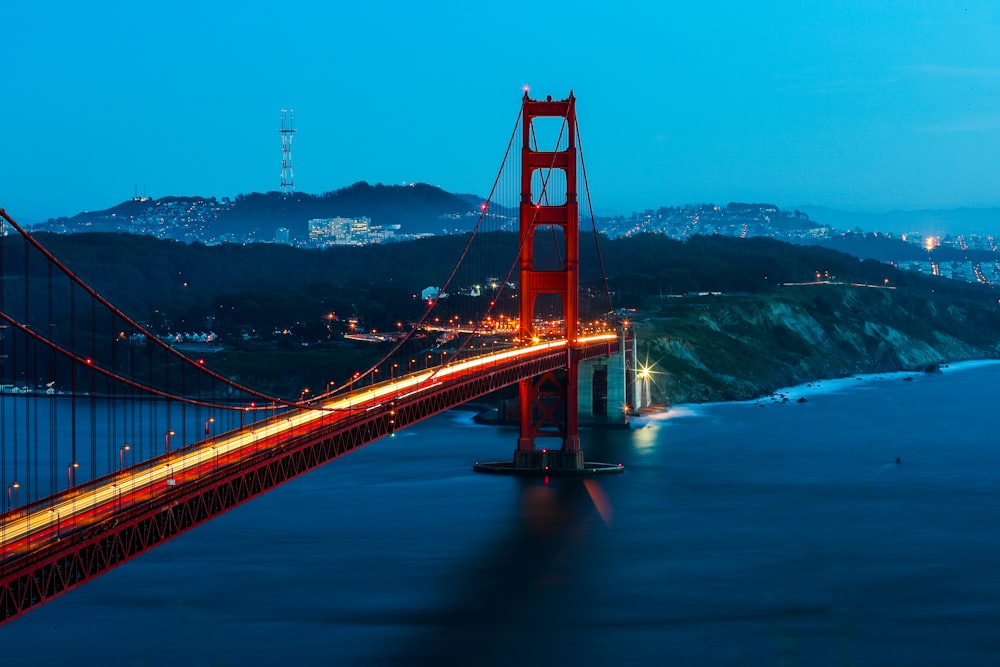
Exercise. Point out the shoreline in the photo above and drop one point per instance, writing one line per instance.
(794, 393)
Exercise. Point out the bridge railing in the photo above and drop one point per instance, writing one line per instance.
(136, 486)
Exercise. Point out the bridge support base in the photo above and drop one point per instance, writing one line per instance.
(542, 462)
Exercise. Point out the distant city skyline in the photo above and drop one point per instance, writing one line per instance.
(844, 105)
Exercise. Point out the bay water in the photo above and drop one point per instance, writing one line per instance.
(858, 526)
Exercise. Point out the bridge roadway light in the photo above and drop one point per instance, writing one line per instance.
(53, 509)
(13, 486)
(210, 420)
(121, 455)
(166, 441)
(71, 474)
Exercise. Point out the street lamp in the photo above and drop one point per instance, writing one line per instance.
(302, 396)
(392, 371)
(13, 486)
(412, 361)
(71, 474)
(53, 509)
(166, 441)
(210, 420)
(121, 455)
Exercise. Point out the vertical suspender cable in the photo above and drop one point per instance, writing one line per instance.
(53, 399)
(3, 359)
(28, 381)
(593, 222)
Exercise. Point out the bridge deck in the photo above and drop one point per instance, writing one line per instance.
(56, 543)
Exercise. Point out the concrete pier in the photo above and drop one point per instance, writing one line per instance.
(605, 390)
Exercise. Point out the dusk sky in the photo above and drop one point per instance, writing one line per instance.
(857, 105)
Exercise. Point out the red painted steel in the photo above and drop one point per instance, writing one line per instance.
(549, 401)
(54, 560)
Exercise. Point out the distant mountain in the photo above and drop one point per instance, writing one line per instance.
(416, 208)
(940, 222)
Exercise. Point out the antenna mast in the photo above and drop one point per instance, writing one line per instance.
(287, 130)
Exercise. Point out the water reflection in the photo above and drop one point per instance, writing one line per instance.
(510, 604)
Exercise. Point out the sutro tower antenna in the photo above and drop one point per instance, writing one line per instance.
(287, 130)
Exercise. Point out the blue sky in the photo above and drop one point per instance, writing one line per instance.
(855, 105)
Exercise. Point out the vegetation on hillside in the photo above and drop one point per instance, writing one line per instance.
(278, 309)
(736, 347)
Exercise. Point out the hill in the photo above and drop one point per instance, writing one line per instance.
(757, 332)
(417, 209)
(739, 347)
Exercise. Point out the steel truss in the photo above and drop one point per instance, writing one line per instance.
(74, 558)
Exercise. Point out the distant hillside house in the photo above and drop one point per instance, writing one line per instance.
(432, 294)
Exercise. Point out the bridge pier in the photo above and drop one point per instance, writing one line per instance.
(607, 388)
(546, 413)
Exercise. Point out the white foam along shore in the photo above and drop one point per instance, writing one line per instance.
(814, 388)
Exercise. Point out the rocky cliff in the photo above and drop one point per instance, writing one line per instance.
(719, 347)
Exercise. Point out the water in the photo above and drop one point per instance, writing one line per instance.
(741, 534)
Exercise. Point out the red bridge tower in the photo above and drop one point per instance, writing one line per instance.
(548, 405)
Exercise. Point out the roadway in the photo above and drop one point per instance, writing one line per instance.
(49, 520)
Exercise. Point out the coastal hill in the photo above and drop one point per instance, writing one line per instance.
(417, 208)
(739, 347)
(717, 318)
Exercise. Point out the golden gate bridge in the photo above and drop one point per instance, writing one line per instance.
(65, 349)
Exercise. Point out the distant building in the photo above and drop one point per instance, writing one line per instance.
(324, 232)
(282, 235)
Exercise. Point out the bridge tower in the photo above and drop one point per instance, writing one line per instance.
(548, 403)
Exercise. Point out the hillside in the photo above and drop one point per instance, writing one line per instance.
(718, 348)
(417, 208)
(756, 333)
